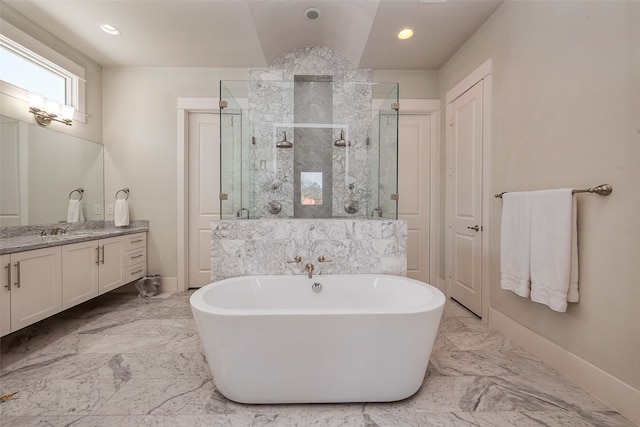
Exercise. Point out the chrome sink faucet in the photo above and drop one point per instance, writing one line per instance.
(58, 230)
(309, 268)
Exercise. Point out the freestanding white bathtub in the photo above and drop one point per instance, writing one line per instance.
(275, 339)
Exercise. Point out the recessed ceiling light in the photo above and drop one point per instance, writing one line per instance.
(109, 29)
(312, 14)
(405, 33)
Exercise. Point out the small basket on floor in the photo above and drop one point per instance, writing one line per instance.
(148, 286)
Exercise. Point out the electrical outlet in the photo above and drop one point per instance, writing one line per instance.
(97, 209)
(109, 209)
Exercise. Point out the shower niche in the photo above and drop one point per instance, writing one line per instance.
(314, 146)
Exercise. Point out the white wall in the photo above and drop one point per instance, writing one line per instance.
(413, 84)
(140, 134)
(566, 113)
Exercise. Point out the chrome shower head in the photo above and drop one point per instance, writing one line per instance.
(342, 142)
(284, 143)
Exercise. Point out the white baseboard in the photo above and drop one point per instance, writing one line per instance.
(168, 284)
(615, 393)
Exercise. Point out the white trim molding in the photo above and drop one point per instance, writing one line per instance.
(612, 391)
(431, 107)
(184, 107)
(482, 73)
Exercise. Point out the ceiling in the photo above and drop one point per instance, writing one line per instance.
(252, 33)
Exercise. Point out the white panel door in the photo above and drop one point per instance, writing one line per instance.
(204, 186)
(414, 140)
(465, 222)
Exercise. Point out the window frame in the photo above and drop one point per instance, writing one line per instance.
(43, 56)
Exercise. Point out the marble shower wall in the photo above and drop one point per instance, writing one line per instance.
(271, 112)
(263, 247)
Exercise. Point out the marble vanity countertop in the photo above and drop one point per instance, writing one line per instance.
(26, 238)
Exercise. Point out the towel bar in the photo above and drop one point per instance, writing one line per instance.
(602, 190)
(123, 190)
(79, 191)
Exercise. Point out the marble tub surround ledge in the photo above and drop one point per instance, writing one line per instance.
(27, 237)
(354, 246)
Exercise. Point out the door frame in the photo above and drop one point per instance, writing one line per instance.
(432, 108)
(483, 73)
(185, 106)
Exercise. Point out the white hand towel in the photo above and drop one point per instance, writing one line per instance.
(121, 213)
(74, 211)
(554, 248)
(515, 242)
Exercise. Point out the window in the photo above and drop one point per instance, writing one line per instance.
(18, 71)
(29, 66)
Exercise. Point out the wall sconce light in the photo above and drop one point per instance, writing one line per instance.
(45, 111)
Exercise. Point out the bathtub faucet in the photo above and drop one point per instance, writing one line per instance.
(309, 268)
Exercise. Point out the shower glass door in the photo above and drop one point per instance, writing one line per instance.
(383, 154)
(235, 143)
(388, 167)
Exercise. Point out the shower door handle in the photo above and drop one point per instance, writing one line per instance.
(476, 228)
(240, 215)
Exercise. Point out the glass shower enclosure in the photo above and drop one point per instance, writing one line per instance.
(308, 148)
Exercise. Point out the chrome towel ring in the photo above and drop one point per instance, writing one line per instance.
(80, 191)
(125, 191)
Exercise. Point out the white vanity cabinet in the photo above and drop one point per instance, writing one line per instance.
(135, 256)
(80, 265)
(111, 271)
(35, 288)
(93, 268)
(5, 295)
(36, 284)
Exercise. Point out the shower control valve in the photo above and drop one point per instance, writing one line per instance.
(296, 260)
(323, 259)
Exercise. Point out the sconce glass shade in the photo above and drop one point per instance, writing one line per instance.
(52, 107)
(67, 112)
(35, 101)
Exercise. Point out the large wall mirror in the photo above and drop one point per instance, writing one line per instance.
(41, 169)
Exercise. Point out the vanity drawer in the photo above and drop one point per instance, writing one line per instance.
(135, 272)
(135, 256)
(134, 241)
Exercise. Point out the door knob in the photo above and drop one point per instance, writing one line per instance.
(476, 228)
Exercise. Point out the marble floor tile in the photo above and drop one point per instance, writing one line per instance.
(315, 418)
(216, 420)
(57, 397)
(432, 419)
(119, 360)
(550, 419)
(162, 397)
(486, 363)
(75, 421)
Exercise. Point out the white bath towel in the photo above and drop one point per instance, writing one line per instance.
(515, 242)
(121, 213)
(554, 248)
(74, 211)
